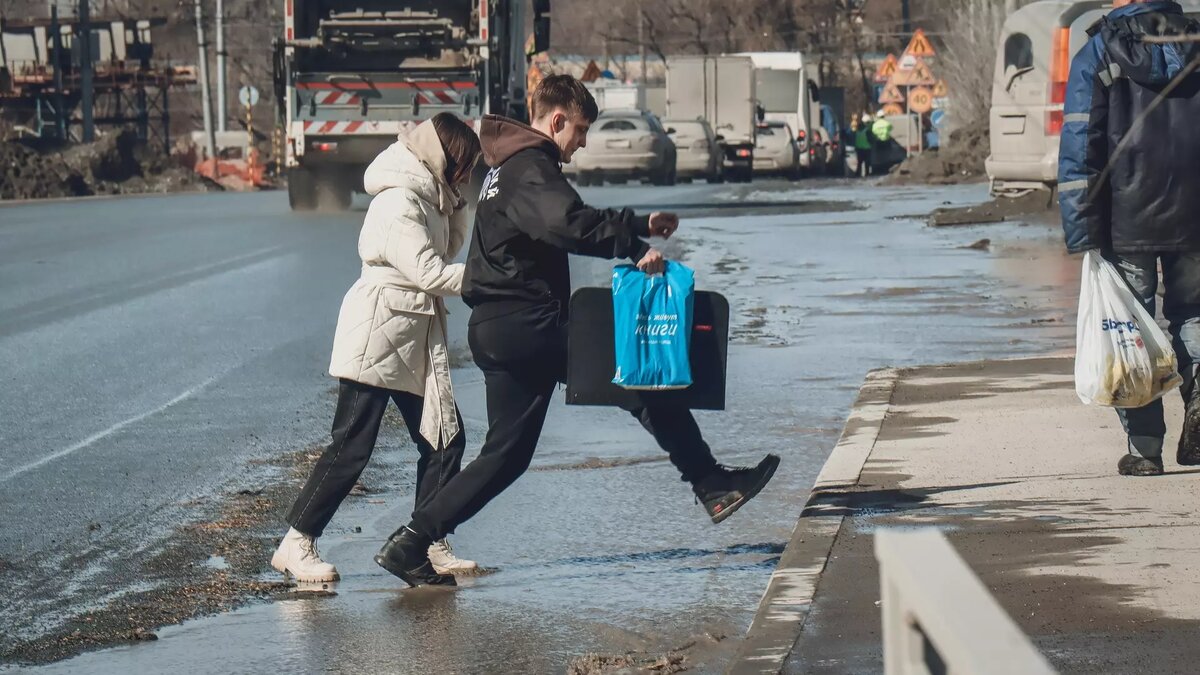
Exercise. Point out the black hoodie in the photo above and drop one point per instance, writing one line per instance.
(529, 218)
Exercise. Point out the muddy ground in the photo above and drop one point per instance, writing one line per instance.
(117, 163)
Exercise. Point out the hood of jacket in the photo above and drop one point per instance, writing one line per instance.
(415, 162)
(502, 138)
(1147, 63)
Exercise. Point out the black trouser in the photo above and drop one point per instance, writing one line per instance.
(360, 409)
(523, 357)
(864, 162)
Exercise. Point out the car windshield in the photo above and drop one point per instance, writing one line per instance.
(618, 125)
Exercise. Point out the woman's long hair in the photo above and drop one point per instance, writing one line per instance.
(461, 145)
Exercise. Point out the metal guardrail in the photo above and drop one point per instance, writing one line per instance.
(939, 618)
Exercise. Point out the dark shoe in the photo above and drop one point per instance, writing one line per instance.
(406, 555)
(1189, 441)
(1132, 465)
(728, 488)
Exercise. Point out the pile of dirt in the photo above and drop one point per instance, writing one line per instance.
(117, 163)
(959, 160)
(1034, 206)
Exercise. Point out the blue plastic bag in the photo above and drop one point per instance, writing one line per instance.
(652, 321)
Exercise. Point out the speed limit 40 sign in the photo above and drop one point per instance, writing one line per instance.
(920, 100)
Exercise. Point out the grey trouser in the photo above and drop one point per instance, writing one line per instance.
(1147, 426)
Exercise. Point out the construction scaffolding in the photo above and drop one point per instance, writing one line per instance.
(42, 82)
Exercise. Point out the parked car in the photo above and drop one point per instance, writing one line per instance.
(776, 151)
(698, 149)
(623, 145)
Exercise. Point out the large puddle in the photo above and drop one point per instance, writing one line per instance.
(601, 548)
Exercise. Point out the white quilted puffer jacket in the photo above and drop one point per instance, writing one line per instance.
(391, 331)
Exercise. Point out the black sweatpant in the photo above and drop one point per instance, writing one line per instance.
(523, 357)
(864, 162)
(360, 409)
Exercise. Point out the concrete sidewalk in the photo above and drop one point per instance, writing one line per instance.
(1101, 571)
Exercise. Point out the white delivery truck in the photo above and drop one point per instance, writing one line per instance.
(719, 89)
(787, 94)
(616, 95)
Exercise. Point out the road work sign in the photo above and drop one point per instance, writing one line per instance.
(886, 69)
(920, 100)
(920, 46)
(891, 94)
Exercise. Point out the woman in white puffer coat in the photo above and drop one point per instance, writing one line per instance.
(390, 342)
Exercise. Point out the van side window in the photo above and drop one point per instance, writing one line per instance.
(1018, 52)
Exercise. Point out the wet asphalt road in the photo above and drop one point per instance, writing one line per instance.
(152, 347)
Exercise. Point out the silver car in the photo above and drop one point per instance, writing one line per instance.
(698, 149)
(625, 144)
(776, 151)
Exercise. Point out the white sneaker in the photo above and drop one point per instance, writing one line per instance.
(297, 555)
(445, 562)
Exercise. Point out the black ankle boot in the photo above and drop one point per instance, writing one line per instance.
(728, 488)
(406, 555)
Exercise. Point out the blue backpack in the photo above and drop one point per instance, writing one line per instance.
(652, 321)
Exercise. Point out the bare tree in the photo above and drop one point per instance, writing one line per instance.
(969, 56)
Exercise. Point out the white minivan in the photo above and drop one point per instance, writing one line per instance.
(1029, 86)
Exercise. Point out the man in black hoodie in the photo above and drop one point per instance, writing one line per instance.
(518, 285)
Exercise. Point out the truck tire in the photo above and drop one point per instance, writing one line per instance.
(301, 189)
(333, 195)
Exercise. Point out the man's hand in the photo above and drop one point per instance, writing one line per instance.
(663, 224)
(652, 262)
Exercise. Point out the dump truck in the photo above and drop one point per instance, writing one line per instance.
(719, 89)
(351, 75)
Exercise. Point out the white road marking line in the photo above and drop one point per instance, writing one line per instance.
(107, 432)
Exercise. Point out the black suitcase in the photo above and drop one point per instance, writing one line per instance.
(591, 361)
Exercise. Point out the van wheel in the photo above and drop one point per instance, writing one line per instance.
(302, 194)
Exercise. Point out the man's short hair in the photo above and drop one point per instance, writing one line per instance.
(565, 92)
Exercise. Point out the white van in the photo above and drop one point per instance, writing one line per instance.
(787, 94)
(1033, 60)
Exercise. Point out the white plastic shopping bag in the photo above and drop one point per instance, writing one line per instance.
(1123, 359)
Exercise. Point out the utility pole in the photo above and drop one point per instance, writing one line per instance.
(907, 17)
(641, 91)
(60, 105)
(205, 89)
(221, 85)
(84, 39)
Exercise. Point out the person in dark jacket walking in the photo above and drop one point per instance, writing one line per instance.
(518, 284)
(1129, 187)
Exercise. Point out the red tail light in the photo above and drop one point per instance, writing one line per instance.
(801, 135)
(1060, 70)
(743, 152)
(325, 146)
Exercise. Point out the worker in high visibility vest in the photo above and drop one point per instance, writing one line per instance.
(881, 129)
(862, 145)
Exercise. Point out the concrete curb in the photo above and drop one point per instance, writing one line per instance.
(785, 604)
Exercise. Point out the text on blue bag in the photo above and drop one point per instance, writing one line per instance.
(652, 318)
